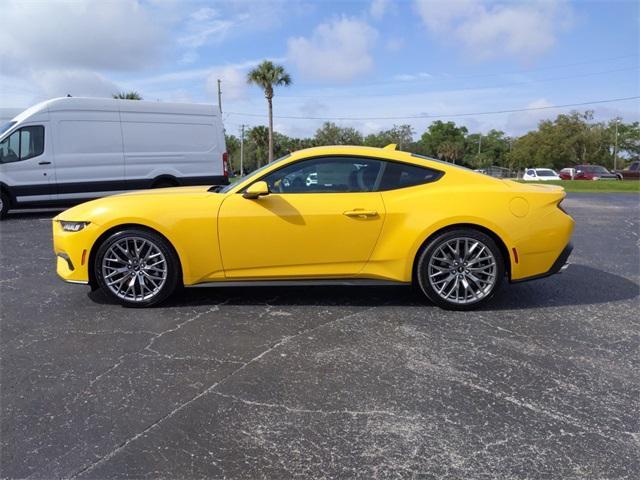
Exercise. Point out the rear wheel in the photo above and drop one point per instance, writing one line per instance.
(4, 205)
(137, 268)
(460, 269)
(164, 183)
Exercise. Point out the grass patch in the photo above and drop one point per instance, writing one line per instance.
(605, 186)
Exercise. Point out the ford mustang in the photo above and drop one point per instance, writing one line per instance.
(339, 214)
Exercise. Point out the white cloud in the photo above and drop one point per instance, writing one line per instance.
(394, 45)
(80, 34)
(378, 8)
(339, 50)
(77, 83)
(205, 26)
(522, 122)
(234, 83)
(409, 77)
(489, 29)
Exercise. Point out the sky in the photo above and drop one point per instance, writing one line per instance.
(368, 64)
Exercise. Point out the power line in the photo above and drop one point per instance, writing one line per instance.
(468, 114)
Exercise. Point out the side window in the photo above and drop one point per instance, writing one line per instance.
(635, 166)
(326, 175)
(402, 175)
(28, 142)
(31, 142)
(531, 172)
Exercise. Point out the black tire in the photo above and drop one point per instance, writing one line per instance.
(428, 262)
(164, 183)
(139, 275)
(4, 205)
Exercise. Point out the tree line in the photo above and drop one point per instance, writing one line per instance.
(570, 139)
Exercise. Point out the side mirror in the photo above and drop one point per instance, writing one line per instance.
(256, 190)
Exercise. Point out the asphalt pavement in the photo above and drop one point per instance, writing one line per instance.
(326, 382)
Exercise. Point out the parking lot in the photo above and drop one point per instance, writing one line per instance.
(326, 382)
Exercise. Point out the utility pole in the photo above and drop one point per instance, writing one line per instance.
(615, 148)
(242, 150)
(219, 97)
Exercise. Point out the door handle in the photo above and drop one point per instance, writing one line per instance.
(44, 163)
(361, 213)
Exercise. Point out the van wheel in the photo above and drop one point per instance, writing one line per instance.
(164, 183)
(4, 205)
(460, 269)
(137, 268)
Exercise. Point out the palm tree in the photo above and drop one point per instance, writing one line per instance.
(449, 151)
(268, 75)
(259, 136)
(127, 95)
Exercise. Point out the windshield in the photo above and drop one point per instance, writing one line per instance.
(546, 173)
(242, 179)
(6, 127)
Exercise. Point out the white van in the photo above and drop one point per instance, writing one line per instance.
(68, 150)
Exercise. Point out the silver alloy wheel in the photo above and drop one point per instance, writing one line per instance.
(1, 203)
(134, 269)
(462, 270)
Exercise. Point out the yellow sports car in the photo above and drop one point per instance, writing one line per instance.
(326, 214)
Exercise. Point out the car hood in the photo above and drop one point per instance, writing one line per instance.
(139, 203)
(167, 191)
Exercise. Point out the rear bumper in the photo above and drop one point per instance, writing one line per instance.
(559, 266)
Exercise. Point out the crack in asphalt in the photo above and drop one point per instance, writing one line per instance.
(353, 413)
(207, 390)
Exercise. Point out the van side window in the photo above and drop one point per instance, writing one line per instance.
(28, 142)
(31, 142)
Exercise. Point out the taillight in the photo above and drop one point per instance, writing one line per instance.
(225, 164)
(560, 207)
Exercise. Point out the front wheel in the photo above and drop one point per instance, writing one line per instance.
(460, 269)
(4, 205)
(137, 268)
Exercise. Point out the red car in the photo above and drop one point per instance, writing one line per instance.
(632, 172)
(593, 172)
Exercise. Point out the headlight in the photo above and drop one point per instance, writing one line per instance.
(72, 226)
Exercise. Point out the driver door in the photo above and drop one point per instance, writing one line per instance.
(322, 218)
(27, 165)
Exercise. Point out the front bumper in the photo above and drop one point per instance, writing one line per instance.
(72, 252)
(559, 266)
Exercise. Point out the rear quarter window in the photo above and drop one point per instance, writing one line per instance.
(403, 175)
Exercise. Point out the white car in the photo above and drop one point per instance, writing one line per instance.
(68, 150)
(540, 175)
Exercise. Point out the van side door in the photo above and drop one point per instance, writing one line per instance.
(25, 164)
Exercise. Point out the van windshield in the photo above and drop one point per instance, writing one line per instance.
(6, 127)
